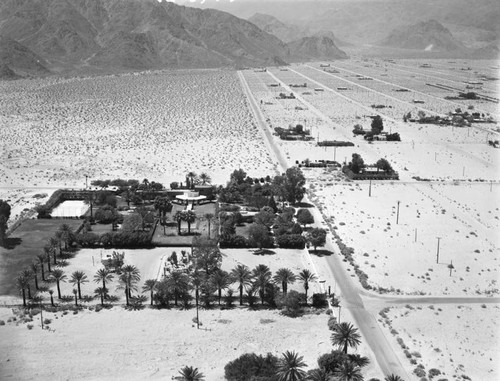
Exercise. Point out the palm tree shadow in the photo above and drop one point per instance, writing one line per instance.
(11, 242)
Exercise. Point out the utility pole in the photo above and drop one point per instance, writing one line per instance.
(437, 254)
(397, 214)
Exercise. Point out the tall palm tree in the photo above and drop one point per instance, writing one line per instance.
(59, 276)
(262, 277)
(190, 217)
(47, 252)
(132, 272)
(393, 377)
(188, 373)
(285, 277)
(101, 292)
(77, 278)
(28, 274)
(22, 284)
(208, 217)
(306, 276)
(348, 371)
(41, 260)
(220, 280)
(127, 283)
(179, 217)
(103, 275)
(205, 178)
(192, 176)
(345, 335)
(150, 285)
(290, 367)
(177, 283)
(241, 274)
(34, 270)
(53, 244)
(67, 235)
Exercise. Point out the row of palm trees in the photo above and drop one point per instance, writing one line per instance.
(49, 258)
(248, 281)
(290, 367)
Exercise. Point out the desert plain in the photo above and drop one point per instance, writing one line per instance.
(161, 125)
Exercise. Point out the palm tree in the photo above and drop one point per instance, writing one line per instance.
(359, 360)
(77, 278)
(47, 252)
(393, 377)
(221, 280)
(66, 234)
(348, 371)
(22, 284)
(290, 367)
(241, 275)
(51, 292)
(59, 276)
(205, 178)
(190, 217)
(208, 217)
(103, 275)
(127, 283)
(306, 276)
(41, 259)
(177, 283)
(188, 373)
(345, 335)
(53, 243)
(192, 176)
(134, 274)
(179, 217)
(149, 285)
(76, 299)
(102, 292)
(284, 276)
(317, 375)
(262, 277)
(28, 274)
(34, 270)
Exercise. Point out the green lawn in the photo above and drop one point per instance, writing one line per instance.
(24, 244)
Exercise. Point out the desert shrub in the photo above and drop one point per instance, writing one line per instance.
(2, 322)
(47, 321)
(319, 300)
(289, 304)
(332, 322)
(30, 326)
(250, 366)
(291, 241)
(419, 372)
(433, 372)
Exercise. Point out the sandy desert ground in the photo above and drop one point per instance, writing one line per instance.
(160, 342)
(161, 125)
(156, 125)
(434, 337)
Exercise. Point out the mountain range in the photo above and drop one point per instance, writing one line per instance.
(110, 35)
(426, 35)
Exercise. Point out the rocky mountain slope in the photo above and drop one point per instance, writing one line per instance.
(319, 47)
(131, 35)
(15, 56)
(427, 35)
